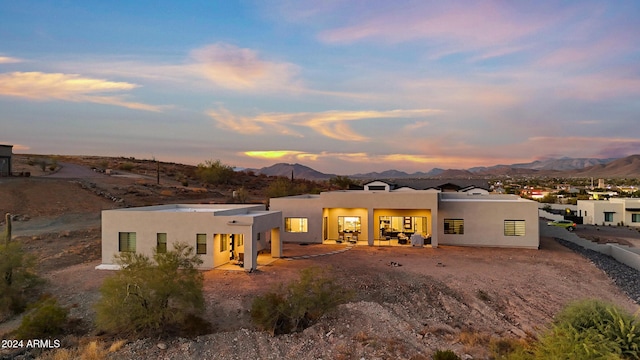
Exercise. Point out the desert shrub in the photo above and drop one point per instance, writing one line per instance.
(445, 355)
(299, 304)
(215, 172)
(44, 319)
(241, 195)
(591, 329)
(285, 187)
(17, 278)
(588, 329)
(127, 166)
(147, 297)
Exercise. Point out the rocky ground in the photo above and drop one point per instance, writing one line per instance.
(446, 298)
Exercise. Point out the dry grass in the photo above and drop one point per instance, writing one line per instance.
(93, 350)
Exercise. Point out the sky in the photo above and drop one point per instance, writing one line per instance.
(344, 87)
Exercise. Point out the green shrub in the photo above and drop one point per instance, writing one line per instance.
(299, 304)
(592, 329)
(445, 355)
(44, 319)
(149, 298)
(588, 329)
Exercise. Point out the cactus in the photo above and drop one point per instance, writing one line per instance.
(7, 229)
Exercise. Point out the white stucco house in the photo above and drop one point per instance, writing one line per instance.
(613, 211)
(220, 233)
(386, 213)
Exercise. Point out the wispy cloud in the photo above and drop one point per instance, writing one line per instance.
(332, 124)
(469, 25)
(231, 67)
(9, 60)
(68, 87)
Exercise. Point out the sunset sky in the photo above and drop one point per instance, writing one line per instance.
(340, 86)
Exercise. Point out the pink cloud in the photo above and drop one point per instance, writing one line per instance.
(236, 68)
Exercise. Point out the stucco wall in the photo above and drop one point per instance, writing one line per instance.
(595, 210)
(484, 221)
(183, 227)
(306, 206)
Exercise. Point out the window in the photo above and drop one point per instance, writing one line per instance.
(240, 239)
(224, 242)
(514, 228)
(161, 243)
(454, 226)
(377, 187)
(201, 243)
(349, 224)
(635, 218)
(296, 225)
(127, 242)
(608, 216)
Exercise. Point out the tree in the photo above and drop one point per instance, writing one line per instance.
(146, 298)
(214, 172)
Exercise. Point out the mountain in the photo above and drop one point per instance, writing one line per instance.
(624, 167)
(563, 164)
(299, 171)
(564, 167)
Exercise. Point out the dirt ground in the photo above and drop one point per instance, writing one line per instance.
(446, 298)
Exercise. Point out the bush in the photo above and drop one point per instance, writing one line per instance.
(45, 319)
(299, 304)
(147, 298)
(445, 355)
(215, 172)
(126, 166)
(588, 329)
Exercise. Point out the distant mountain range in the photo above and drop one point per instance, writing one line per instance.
(565, 167)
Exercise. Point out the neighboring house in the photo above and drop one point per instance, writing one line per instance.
(389, 213)
(610, 212)
(6, 153)
(219, 233)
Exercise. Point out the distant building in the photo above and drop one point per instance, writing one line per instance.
(610, 212)
(6, 153)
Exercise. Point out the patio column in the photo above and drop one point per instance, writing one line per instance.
(371, 229)
(434, 228)
(250, 250)
(276, 243)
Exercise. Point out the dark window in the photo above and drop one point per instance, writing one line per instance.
(454, 226)
(608, 216)
(161, 240)
(201, 243)
(635, 217)
(127, 242)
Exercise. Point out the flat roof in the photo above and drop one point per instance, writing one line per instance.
(210, 208)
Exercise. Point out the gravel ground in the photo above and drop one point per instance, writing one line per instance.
(627, 278)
